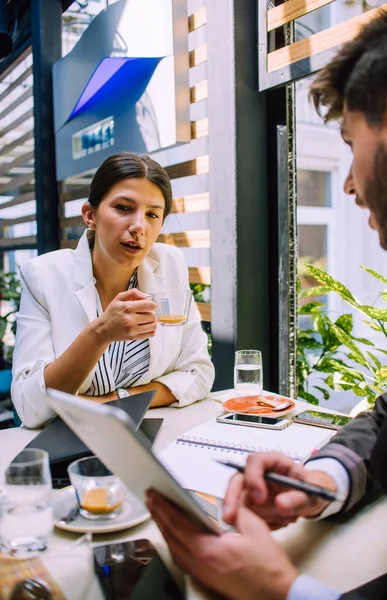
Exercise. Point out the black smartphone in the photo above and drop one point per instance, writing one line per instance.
(133, 570)
(254, 420)
(322, 419)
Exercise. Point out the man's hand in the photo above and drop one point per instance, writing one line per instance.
(277, 505)
(244, 566)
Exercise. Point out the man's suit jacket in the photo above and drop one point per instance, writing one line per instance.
(59, 300)
(373, 590)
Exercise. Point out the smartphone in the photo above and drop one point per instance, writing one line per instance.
(133, 570)
(254, 420)
(322, 419)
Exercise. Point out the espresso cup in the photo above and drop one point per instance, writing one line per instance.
(100, 494)
(172, 307)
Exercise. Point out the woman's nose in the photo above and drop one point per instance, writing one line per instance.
(349, 186)
(137, 223)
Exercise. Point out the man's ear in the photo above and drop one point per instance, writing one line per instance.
(88, 215)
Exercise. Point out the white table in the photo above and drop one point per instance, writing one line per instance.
(342, 554)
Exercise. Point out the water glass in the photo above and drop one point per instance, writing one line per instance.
(248, 376)
(26, 519)
(172, 307)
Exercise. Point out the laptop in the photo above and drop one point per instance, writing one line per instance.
(129, 456)
(64, 446)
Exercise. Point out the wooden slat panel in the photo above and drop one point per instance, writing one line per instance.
(20, 199)
(292, 9)
(318, 42)
(198, 19)
(189, 239)
(18, 142)
(195, 184)
(16, 182)
(29, 240)
(199, 92)
(24, 117)
(12, 86)
(75, 194)
(71, 222)
(15, 63)
(198, 110)
(205, 311)
(72, 244)
(192, 203)
(198, 55)
(22, 159)
(200, 275)
(197, 74)
(199, 128)
(16, 220)
(27, 94)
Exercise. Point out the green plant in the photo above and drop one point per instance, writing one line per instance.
(10, 292)
(330, 348)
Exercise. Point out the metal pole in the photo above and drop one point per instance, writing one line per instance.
(46, 23)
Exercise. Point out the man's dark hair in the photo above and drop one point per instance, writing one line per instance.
(356, 76)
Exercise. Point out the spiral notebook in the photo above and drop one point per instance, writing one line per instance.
(191, 458)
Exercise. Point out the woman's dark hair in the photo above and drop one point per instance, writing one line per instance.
(126, 165)
(357, 75)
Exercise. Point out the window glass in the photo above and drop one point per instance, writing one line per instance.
(314, 188)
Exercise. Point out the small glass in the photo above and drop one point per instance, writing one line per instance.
(248, 375)
(26, 520)
(100, 494)
(172, 307)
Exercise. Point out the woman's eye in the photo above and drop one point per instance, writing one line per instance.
(153, 215)
(122, 207)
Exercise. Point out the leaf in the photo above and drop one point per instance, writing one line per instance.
(339, 382)
(324, 392)
(345, 322)
(332, 284)
(374, 326)
(311, 307)
(362, 389)
(380, 314)
(347, 341)
(383, 295)
(318, 290)
(362, 341)
(381, 374)
(309, 343)
(308, 397)
(374, 359)
(341, 367)
(375, 274)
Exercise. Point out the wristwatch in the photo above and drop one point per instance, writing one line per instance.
(122, 393)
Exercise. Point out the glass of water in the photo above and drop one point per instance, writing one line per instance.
(26, 520)
(248, 380)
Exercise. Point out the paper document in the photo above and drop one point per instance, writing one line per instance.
(192, 457)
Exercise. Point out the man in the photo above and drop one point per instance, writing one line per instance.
(352, 88)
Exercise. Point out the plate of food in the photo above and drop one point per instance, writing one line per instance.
(269, 405)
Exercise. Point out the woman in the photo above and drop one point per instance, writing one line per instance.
(86, 323)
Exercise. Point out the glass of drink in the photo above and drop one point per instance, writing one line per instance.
(26, 513)
(172, 307)
(100, 494)
(248, 379)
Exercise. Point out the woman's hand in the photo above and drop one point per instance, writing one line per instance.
(130, 316)
(276, 504)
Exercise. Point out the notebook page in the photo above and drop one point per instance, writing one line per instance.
(194, 464)
(297, 440)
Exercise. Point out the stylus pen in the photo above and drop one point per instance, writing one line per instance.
(296, 484)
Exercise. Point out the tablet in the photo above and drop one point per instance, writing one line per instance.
(110, 433)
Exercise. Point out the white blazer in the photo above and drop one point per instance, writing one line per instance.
(59, 300)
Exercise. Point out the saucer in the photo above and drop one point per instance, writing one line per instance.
(243, 403)
(133, 513)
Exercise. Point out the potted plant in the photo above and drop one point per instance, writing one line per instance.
(10, 292)
(328, 347)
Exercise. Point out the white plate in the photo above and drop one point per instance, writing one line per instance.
(133, 513)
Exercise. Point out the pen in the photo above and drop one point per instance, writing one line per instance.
(297, 484)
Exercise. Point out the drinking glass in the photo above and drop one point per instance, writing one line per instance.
(100, 494)
(172, 307)
(248, 380)
(26, 520)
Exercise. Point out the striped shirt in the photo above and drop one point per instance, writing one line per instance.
(123, 363)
